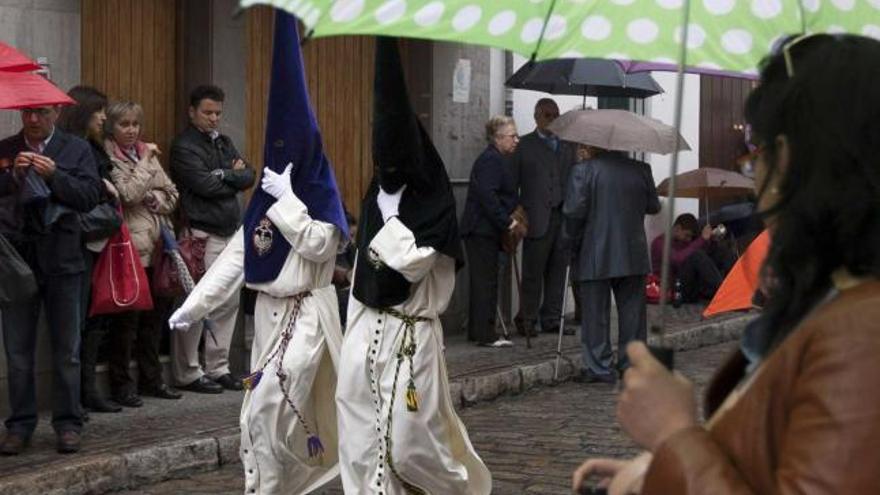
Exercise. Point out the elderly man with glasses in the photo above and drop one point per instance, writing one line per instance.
(46, 234)
(541, 165)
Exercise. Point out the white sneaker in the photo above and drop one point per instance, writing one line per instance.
(502, 342)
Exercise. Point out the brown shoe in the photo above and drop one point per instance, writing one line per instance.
(69, 442)
(13, 444)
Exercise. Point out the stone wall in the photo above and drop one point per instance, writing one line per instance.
(42, 28)
(458, 134)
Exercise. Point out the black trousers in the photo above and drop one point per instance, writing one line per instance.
(60, 297)
(483, 260)
(632, 320)
(93, 331)
(543, 274)
(138, 333)
(699, 277)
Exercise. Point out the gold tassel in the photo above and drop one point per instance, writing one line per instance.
(251, 381)
(412, 397)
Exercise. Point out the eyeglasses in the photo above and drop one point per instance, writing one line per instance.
(41, 112)
(510, 135)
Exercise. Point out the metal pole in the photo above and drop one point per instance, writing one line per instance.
(501, 319)
(561, 324)
(670, 213)
(520, 294)
(706, 203)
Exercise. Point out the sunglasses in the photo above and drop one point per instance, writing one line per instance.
(799, 41)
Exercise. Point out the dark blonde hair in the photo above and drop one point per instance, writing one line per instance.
(116, 110)
(495, 123)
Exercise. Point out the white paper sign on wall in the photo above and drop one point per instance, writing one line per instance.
(461, 81)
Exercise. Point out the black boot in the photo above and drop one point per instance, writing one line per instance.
(91, 339)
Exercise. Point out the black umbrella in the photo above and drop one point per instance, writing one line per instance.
(583, 77)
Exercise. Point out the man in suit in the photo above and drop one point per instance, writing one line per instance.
(47, 236)
(541, 165)
(606, 202)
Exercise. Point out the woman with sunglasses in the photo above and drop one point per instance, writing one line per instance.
(796, 408)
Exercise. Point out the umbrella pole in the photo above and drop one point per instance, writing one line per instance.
(706, 205)
(670, 213)
(561, 324)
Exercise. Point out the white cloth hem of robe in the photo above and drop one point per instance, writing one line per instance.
(273, 451)
(430, 447)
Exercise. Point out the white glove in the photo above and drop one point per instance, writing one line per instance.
(277, 184)
(178, 321)
(389, 203)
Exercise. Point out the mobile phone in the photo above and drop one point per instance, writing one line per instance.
(592, 490)
(665, 355)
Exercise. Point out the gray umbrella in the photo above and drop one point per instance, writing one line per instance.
(618, 130)
(583, 77)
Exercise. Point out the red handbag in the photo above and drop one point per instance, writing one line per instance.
(166, 281)
(119, 281)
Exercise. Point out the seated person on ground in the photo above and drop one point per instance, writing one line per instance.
(697, 260)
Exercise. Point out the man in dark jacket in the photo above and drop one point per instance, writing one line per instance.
(209, 172)
(606, 201)
(540, 167)
(47, 235)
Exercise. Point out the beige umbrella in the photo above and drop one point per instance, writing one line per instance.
(618, 130)
(707, 183)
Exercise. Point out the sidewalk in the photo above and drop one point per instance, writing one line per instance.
(166, 439)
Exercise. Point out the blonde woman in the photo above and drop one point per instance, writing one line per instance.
(148, 196)
(488, 213)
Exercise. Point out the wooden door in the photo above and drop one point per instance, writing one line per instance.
(128, 52)
(721, 121)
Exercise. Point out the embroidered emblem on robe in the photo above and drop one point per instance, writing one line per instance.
(263, 237)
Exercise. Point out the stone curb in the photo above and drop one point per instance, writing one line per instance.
(105, 473)
(469, 390)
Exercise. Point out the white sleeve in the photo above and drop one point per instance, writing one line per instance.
(395, 245)
(312, 239)
(220, 283)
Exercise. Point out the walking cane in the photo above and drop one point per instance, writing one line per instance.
(519, 291)
(561, 324)
(503, 325)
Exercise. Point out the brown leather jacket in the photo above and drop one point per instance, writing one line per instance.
(807, 423)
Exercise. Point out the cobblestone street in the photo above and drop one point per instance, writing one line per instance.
(531, 442)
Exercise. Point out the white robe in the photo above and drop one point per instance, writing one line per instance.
(273, 451)
(430, 447)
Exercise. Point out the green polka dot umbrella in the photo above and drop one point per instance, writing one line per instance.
(727, 36)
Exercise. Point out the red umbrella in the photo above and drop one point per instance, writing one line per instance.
(25, 89)
(12, 60)
(20, 87)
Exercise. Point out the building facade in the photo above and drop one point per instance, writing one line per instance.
(154, 52)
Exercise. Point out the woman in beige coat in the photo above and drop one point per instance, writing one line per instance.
(148, 198)
(796, 410)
